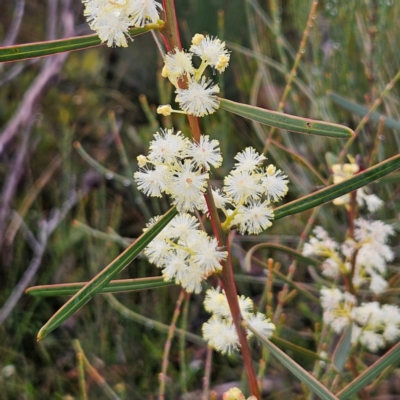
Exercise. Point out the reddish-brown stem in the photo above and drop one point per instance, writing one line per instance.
(352, 214)
(172, 40)
(227, 278)
(170, 32)
(194, 127)
(353, 367)
(228, 283)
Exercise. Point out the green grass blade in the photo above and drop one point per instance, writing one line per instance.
(104, 277)
(391, 358)
(117, 286)
(334, 191)
(305, 377)
(41, 49)
(363, 111)
(342, 349)
(286, 121)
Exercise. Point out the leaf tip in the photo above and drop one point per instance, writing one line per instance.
(41, 334)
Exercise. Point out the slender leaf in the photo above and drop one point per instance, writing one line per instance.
(41, 49)
(288, 250)
(286, 121)
(312, 383)
(392, 357)
(362, 110)
(295, 348)
(151, 323)
(298, 286)
(307, 260)
(117, 286)
(108, 173)
(105, 276)
(334, 191)
(342, 349)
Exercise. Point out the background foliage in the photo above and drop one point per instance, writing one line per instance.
(96, 97)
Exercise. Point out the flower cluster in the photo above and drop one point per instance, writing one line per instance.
(373, 325)
(368, 250)
(342, 172)
(337, 307)
(185, 253)
(250, 189)
(220, 331)
(197, 94)
(180, 168)
(111, 19)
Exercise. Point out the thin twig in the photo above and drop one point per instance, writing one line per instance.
(13, 72)
(11, 183)
(81, 373)
(293, 71)
(29, 199)
(51, 68)
(163, 375)
(94, 374)
(292, 268)
(207, 374)
(366, 117)
(182, 344)
(378, 137)
(46, 229)
(52, 20)
(148, 322)
(13, 30)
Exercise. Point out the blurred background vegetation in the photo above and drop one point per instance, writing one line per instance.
(71, 128)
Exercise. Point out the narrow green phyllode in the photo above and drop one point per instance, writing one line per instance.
(286, 121)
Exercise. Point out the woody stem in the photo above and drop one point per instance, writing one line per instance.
(172, 40)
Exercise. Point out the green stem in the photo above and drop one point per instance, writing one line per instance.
(201, 69)
(229, 218)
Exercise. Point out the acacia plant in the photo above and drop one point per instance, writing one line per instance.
(192, 242)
